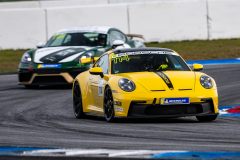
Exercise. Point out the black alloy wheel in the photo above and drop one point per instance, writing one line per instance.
(108, 105)
(206, 118)
(77, 102)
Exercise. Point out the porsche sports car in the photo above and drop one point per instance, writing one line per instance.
(57, 61)
(144, 82)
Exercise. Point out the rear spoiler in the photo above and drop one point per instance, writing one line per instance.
(135, 35)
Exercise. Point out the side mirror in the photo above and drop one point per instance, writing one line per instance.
(117, 43)
(40, 45)
(197, 67)
(96, 71)
(87, 60)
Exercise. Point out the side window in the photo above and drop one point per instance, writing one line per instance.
(103, 63)
(115, 35)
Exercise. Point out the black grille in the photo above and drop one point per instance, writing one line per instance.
(49, 79)
(48, 71)
(24, 75)
(173, 109)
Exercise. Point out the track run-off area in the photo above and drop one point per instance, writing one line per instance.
(43, 118)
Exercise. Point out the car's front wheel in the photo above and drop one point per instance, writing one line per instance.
(206, 118)
(77, 102)
(108, 105)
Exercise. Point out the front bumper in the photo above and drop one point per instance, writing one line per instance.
(150, 111)
(47, 76)
(202, 103)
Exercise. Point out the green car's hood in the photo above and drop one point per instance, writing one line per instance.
(59, 54)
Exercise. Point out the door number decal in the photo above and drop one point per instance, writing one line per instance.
(100, 88)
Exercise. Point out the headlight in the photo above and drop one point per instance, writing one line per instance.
(26, 58)
(86, 55)
(126, 84)
(206, 82)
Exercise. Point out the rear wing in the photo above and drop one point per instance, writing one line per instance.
(135, 35)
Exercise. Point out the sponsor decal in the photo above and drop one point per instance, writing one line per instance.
(59, 36)
(57, 56)
(143, 52)
(118, 109)
(165, 79)
(100, 88)
(120, 59)
(114, 91)
(85, 29)
(49, 66)
(163, 66)
(166, 101)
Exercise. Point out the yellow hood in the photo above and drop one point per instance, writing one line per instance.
(152, 81)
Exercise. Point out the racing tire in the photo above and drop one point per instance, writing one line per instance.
(77, 102)
(206, 118)
(108, 105)
(31, 86)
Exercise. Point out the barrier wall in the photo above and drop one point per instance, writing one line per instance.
(224, 19)
(110, 15)
(157, 21)
(22, 28)
(169, 21)
(67, 3)
(45, 4)
(7, 5)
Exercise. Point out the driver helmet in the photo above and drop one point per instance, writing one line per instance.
(102, 39)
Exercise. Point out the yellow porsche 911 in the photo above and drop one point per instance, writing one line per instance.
(144, 83)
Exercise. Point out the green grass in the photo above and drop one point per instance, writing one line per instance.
(9, 59)
(189, 50)
(203, 50)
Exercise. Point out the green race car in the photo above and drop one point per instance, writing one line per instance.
(56, 63)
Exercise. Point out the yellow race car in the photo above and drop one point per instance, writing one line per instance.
(144, 82)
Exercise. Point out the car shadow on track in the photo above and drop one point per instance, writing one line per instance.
(52, 87)
(157, 120)
(146, 120)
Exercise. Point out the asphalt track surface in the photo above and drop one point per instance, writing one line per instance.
(44, 118)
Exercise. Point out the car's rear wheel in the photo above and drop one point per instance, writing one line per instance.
(206, 118)
(77, 102)
(108, 105)
(32, 86)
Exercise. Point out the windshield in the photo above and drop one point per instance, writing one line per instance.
(77, 39)
(147, 61)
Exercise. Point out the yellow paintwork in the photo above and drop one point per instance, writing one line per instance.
(144, 82)
(95, 69)
(197, 66)
(88, 60)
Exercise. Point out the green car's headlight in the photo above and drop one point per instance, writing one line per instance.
(26, 58)
(126, 84)
(206, 82)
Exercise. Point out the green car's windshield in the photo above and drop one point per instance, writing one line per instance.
(77, 39)
(147, 61)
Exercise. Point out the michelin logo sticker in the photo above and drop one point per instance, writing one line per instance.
(118, 109)
(167, 101)
(100, 88)
(49, 66)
